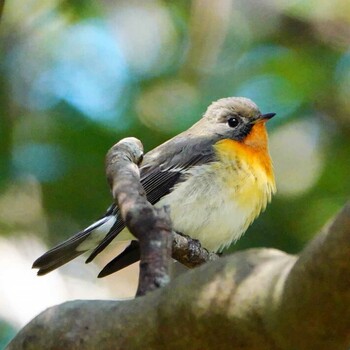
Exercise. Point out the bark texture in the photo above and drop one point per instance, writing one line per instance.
(259, 299)
(149, 225)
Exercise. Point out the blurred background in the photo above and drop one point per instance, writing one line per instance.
(77, 76)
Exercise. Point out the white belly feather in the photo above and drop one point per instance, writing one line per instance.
(217, 212)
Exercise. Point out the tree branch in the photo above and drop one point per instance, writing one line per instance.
(259, 299)
(189, 252)
(316, 294)
(151, 226)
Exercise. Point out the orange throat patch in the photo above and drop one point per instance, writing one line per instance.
(253, 150)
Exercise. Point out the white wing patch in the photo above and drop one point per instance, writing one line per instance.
(99, 229)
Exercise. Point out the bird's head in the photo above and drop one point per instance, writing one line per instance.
(238, 119)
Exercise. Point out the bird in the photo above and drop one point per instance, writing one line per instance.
(216, 178)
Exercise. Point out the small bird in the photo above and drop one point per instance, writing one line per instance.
(216, 177)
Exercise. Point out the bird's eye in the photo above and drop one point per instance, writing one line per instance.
(233, 122)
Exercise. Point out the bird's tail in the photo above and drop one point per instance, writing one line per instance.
(76, 245)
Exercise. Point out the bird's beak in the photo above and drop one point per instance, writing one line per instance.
(267, 116)
(264, 117)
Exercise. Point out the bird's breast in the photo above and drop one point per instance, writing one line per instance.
(218, 201)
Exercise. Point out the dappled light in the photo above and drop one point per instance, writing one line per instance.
(74, 79)
(298, 164)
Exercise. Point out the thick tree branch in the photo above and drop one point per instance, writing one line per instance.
(259, 299)
(316, 294)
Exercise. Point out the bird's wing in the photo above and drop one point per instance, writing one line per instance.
(161, 169)
(130, 255)
(72, 247)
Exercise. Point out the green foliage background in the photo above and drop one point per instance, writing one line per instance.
(77, 76)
